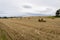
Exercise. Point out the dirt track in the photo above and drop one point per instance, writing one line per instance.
(29, 29)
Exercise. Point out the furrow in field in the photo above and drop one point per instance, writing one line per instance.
(50, 28)
(40, 33)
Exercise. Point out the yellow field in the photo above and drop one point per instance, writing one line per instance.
(29, 29)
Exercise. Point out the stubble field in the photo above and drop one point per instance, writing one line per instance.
(29, 28)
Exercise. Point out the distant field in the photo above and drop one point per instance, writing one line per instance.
(29, 28)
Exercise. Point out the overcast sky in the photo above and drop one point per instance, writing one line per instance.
(22, 7)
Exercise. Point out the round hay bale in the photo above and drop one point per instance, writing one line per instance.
(41, 20)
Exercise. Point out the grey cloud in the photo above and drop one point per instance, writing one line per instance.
(26, 6)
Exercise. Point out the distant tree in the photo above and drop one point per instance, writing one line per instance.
(5, 17)
(58, 13)
(0, 17)
(11, 17)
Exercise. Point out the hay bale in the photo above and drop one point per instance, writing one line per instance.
(41, 20)
(53, 18)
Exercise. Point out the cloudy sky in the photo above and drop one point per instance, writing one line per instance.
(28, 7)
